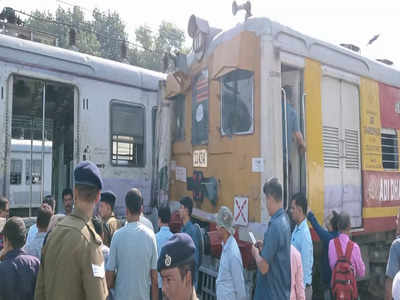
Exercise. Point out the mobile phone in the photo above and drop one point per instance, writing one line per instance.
(252, 238)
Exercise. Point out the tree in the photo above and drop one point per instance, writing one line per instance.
(104, 35)
(86, 41)
(153, 46)
(110, 32)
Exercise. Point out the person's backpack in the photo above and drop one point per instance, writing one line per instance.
(344, 284)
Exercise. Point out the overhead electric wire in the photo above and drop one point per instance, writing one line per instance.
(69, 25)
(152, 27)
(71, 4)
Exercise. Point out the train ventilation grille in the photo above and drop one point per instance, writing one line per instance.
(330, 139)
(352, 147)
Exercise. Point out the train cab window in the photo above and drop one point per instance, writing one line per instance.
(237, 102)
(36, 171)
(127, 134)
(179, 108)
(390, 155)
(16, 171)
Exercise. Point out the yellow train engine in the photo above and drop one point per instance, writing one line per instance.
(228, 103)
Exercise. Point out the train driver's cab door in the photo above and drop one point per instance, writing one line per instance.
(293, 132)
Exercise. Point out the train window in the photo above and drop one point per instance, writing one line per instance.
(390, 155)
(16, 171)
(179, 107)
(127, 134)
(237, 102)
(36, 171)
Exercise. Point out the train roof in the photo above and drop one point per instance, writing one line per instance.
(51, 58)
(289, 40)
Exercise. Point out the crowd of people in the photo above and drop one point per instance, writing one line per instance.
(283, 278)
(80, 256)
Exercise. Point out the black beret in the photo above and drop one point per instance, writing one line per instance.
(177, 251)
(87, 173)
(108, 197)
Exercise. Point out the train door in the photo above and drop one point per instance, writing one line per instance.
(42, 130)
(294, 166)
(341, 147)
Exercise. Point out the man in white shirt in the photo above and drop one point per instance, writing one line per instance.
(230, 280)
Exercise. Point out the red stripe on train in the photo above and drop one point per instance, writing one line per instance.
(370, 225)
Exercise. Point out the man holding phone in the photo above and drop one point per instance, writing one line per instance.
(273, 261)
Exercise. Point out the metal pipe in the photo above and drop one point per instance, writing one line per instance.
(30, 175)
(286, 158)
(43, 141)
(303, 107)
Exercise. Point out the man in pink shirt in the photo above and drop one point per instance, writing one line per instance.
(356, 259)
(297, 284)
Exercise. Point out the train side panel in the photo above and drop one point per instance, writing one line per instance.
(97, 84)
(380, 153)
(229, 156)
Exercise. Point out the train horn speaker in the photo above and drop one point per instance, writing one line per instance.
(245, 6)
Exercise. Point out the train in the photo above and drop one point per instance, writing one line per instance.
(213, 128)
(25, 186)
(58, 107)
(228, 134)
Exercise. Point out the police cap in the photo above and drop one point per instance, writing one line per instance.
(87, 173)
(177, 251)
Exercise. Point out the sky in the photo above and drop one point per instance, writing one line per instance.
(338, 21)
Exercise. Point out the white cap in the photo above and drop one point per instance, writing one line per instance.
(225, 219)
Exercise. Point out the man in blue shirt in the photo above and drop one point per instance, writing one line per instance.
(33, 230)
(325, 235)
(18, 271)
(292, 132)
(292, 124)
(132, 265)
(301, 239)
(34, 247)
(185, 212)
(273, 262)
(164, 216)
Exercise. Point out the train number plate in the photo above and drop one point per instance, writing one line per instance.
(200, 158)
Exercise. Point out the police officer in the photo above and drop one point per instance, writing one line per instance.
(72, 264)
(176, 266)
(106, 211)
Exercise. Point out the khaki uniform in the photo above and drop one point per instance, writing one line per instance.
(113, 225)
(72, 264)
